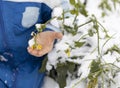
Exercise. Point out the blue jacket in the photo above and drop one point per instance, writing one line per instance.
(17, 21)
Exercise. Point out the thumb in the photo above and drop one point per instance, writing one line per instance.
(58, 35)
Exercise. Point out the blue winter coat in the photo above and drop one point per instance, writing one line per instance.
(17, 21)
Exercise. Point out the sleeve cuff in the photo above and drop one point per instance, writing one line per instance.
(52, 27)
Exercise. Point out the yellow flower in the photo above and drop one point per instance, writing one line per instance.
(39, 47)
(33, 46)
(36, 46)
(67, 52)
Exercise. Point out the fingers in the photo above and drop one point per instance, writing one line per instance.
(38, 53)
(58, 35)
(44, 51)
(33, 52)
(46, 40)
(51, 34)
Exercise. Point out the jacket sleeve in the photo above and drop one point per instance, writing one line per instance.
(45, 12)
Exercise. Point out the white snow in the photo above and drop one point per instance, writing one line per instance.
(49, 83)
(111, 23)
(57, 12)
(31, 42)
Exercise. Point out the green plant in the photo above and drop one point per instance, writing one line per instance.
(99, 69)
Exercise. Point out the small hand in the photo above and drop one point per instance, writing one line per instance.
(46, 40)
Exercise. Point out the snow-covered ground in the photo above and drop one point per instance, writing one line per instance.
(111, 23)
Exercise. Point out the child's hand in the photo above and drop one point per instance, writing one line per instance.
(46, 40)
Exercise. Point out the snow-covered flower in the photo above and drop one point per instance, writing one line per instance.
(31, 42)
(33, 45)
(38, 26)
(67, 52)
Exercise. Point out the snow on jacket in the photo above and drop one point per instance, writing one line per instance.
(19, 69)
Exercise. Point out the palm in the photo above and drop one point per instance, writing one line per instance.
(46, 39)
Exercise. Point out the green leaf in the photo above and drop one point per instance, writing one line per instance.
(43, 26)
(70, 30)
(108, 7)
(61, 74)
(74, 57)
(80, 7)
(79, 44)
(95, 66)
(43, 67)
(90, 32)
(96, 26)
(114, 48)
(53, 73)
(77, 5)
(105, 5)
(71, 67)
(103, 14)
(72, 2)
(83, 11)
(95, 69)
(59, 18)
(73, 11)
